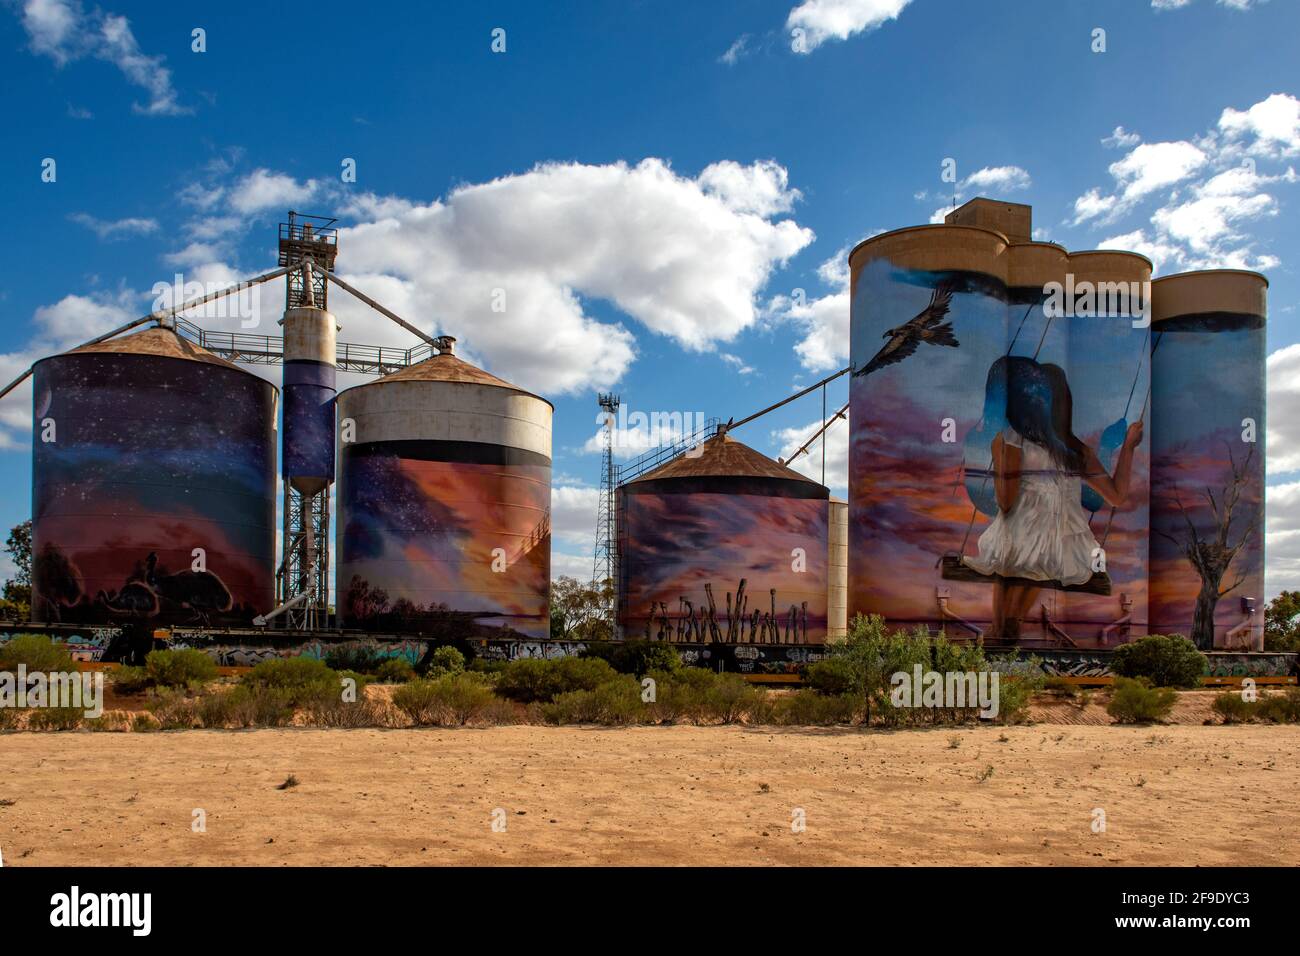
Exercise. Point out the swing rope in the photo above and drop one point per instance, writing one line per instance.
(1141, 415)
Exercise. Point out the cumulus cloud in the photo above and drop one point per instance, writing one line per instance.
(824, 320)
(1121, 138)
(996, 177)
(822, 20)
(684, 257)
(1284, 410)
(262, 189)
(836, 439)
(65, 31)
(737, 50)
(1206, 190)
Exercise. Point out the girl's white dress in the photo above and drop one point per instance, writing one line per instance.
(1045, 536)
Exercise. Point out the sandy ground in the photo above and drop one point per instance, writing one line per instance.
(655, 795)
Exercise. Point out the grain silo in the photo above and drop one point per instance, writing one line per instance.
(837, 580)
(990, 370)
(723, 544)
(153, 485)
(1207, 473)
(444, 503)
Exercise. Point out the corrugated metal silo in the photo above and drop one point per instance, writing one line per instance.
(723, 544)
(837, 580)
(444, 503)
(1207, 474)
(153, 485)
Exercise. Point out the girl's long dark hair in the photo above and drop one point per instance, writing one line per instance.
(1035, 399)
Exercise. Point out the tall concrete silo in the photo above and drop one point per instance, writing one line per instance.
(980, 398)
(1207, 473)
(444, 503)
(153, 485)
(837, 573)
(723, 544)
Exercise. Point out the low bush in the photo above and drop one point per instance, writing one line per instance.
(637, 656)
(451, 701)
(833, 676)
(303, 679)
(615, 702)
(181, 668)
(130, 680)
(538, 679)
(732, 700)
(1135, 701)
(362, 658)
(395, 670)
(445, 660)
(56, 718)
(336, 712)
(144, 722)
(1233, 708)
(37, 652)
(816, 708)
(1165, 660)
(1281, 708)
(246, 705)
(10, 717)
(175, 709)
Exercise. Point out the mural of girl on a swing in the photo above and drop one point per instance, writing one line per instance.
(1039, 467)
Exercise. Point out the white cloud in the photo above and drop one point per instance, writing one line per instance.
(1160, 253)
(761, 188)
(1121, 138)
(1284, 410)
(64, 31)
(823, 319)
(262, 189)
(1239, 5)
(737, 50)
(117, 228)
(823, 20)
(1273, 123)
(1152, 166)
(686, 258)
(1093, 205)
(1169, 4)
(1282, 538)
(836, 439)
(573, 515)
(996, 177)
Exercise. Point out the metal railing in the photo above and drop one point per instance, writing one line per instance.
(657, 456)
(269, 350)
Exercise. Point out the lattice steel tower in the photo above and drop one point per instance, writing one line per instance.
(603, 565)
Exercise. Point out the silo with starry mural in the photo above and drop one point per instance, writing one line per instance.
(153, 486)
(444, 499)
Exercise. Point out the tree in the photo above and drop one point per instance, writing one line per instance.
(1282, 622)
(579, 610)
(19, 547)
(1212, 553)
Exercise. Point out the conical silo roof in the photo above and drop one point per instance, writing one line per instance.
(723, 457)
(158, 342)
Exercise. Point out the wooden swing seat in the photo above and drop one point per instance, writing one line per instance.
(953, 569)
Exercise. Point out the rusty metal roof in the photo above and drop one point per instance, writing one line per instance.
(158, 341)
(446, 367)
(723, 456)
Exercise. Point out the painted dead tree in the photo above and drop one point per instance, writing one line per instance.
(1211, 550)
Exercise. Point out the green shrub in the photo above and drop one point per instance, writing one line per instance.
(175, 709)
(56, 718)
(246, 705)
(537, 679)
(303, 679)
(1166, 661)
(1233, 708)
(38, 652)
(395, 670)
(9, 718)
(636, 656)
(130, 680)
(682, 694)
(361, 658)
(445, 660)
(614, 702)
(807, 707)
(733, 699)
(110, 721)
(182, 668)
(336, 712)
(833, 677)
(144, 722)
(1281, 708)
(1135, 701)
(450, 701)
(362, 681)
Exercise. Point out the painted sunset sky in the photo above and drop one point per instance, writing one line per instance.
(909, 504)
(425, 531)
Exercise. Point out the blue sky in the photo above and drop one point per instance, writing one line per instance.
(648, 182)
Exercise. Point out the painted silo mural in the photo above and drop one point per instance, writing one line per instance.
(153, 486)
(1207, 496)
(999, 463)
(445, 538)
(444, 504)
(731, 558)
